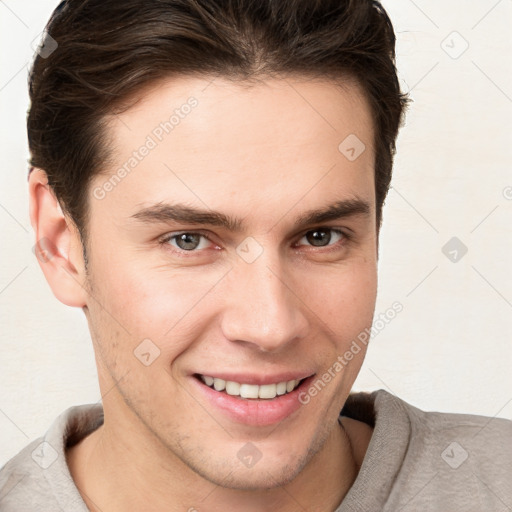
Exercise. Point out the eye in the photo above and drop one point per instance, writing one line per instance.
(187, 241)
(192, 241)
(320, 237)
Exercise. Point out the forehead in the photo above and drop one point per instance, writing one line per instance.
(210, 140)
(292, 107)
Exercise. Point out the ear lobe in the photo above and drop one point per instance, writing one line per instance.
(58, 245)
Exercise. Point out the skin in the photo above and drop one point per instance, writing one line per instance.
(264, 154)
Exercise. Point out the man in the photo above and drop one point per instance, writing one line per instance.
(207, 185)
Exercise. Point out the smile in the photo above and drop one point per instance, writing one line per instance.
(250, 391)
(250, 398)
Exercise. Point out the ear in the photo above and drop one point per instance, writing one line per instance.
(58, 246)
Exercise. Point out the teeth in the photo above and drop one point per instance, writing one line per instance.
(267, 391)
(281, 388)
(219, 384)
(249, 391)
(232, 388)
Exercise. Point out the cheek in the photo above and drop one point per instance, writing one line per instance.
(159, 304)
(344, 298)
(344, 301)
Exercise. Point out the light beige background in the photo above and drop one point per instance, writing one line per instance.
(450, 349)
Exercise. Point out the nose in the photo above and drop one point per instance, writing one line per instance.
(265, 307)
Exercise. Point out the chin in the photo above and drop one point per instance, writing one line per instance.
(268, 470)
(264, 477)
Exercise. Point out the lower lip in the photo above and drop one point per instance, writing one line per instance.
(257, 412)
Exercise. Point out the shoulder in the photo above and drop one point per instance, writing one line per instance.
(426, 460)
(464, 459)
(481, 437)
(22, 480)
(38, 476)
(492, 434)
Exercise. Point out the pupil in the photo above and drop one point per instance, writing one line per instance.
(185, 238)
(316, 236)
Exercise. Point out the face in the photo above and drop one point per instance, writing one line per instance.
(253, 289)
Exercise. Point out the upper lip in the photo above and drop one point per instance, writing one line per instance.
(257, 379)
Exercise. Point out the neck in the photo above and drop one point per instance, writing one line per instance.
(116, 471)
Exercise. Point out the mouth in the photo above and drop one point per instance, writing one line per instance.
(250, 391)
(253, 400)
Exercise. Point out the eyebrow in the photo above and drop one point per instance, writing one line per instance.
(164, 212)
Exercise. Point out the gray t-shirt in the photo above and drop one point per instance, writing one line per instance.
(416, 461)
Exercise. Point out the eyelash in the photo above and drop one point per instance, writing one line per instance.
(338, 245)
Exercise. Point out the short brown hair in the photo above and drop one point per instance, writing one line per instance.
(108, 50)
